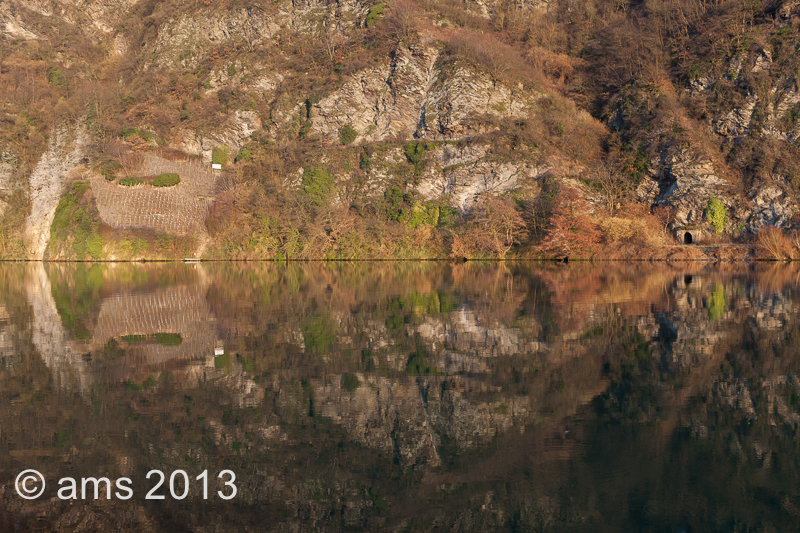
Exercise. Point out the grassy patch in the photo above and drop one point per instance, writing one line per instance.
(130, 182)
(221, 155)
(74, 231)
(318, 185)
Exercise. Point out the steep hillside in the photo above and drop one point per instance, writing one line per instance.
(428, 128)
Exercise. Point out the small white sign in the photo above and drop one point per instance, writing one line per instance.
(216, 166)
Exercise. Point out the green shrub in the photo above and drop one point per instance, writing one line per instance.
(416, 365)
(347, 134)
(167, 179)
(318, 185)
(221, 155)
(244, 155)
(55, 77)
(127, 132)
(423, 214)
(364, 160)
(224, 362)
(168, 339)
(350, 382)
(716, 215)
(109, 168)
(414, 152)
(129, 182)
(94, 245)
(305, 129)
(375, 12)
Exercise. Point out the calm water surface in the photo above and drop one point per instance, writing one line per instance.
(403, 397)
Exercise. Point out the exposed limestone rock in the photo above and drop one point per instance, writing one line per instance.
(92, 17)
(311, 15)
(380, 102)
(47, 183)
(458, 97)
(771, 206)
(12, 25)
(384, 414)
(488, 8)
(411, 417)
(455, 174)
(779, 110)
(763, 62)
(467, 331)
(470, 423)
(185, 41)
(234, 134)
(686, 181)
(736, 122)
(462, 175)
(781, 114)
(789, 9)
(414, 96)
(736, 393)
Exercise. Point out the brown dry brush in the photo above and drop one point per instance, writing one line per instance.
(774, 244)
(491, 229)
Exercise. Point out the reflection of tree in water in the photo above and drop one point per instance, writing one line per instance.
(435, 396)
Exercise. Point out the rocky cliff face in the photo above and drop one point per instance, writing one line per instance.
(47, 182)
(480, 103)
(419, 94)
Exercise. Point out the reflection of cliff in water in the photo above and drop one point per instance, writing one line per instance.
(475, 397)
(60, 353)
(154, 320)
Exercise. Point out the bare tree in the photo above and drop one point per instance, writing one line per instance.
(402, 21)
(614, 187)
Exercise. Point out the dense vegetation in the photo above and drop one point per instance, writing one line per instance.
(631, 66)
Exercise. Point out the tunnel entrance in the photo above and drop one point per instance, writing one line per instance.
(687, 238)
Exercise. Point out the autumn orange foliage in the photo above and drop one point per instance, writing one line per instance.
(571, 230)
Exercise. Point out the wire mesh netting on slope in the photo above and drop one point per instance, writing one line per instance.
(178, 210)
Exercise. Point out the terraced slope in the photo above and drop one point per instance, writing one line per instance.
(178, 210)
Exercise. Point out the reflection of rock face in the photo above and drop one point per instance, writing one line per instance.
(70, 370)
(382, 414)
(180, 310)
(411, 418)
(469, 331)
